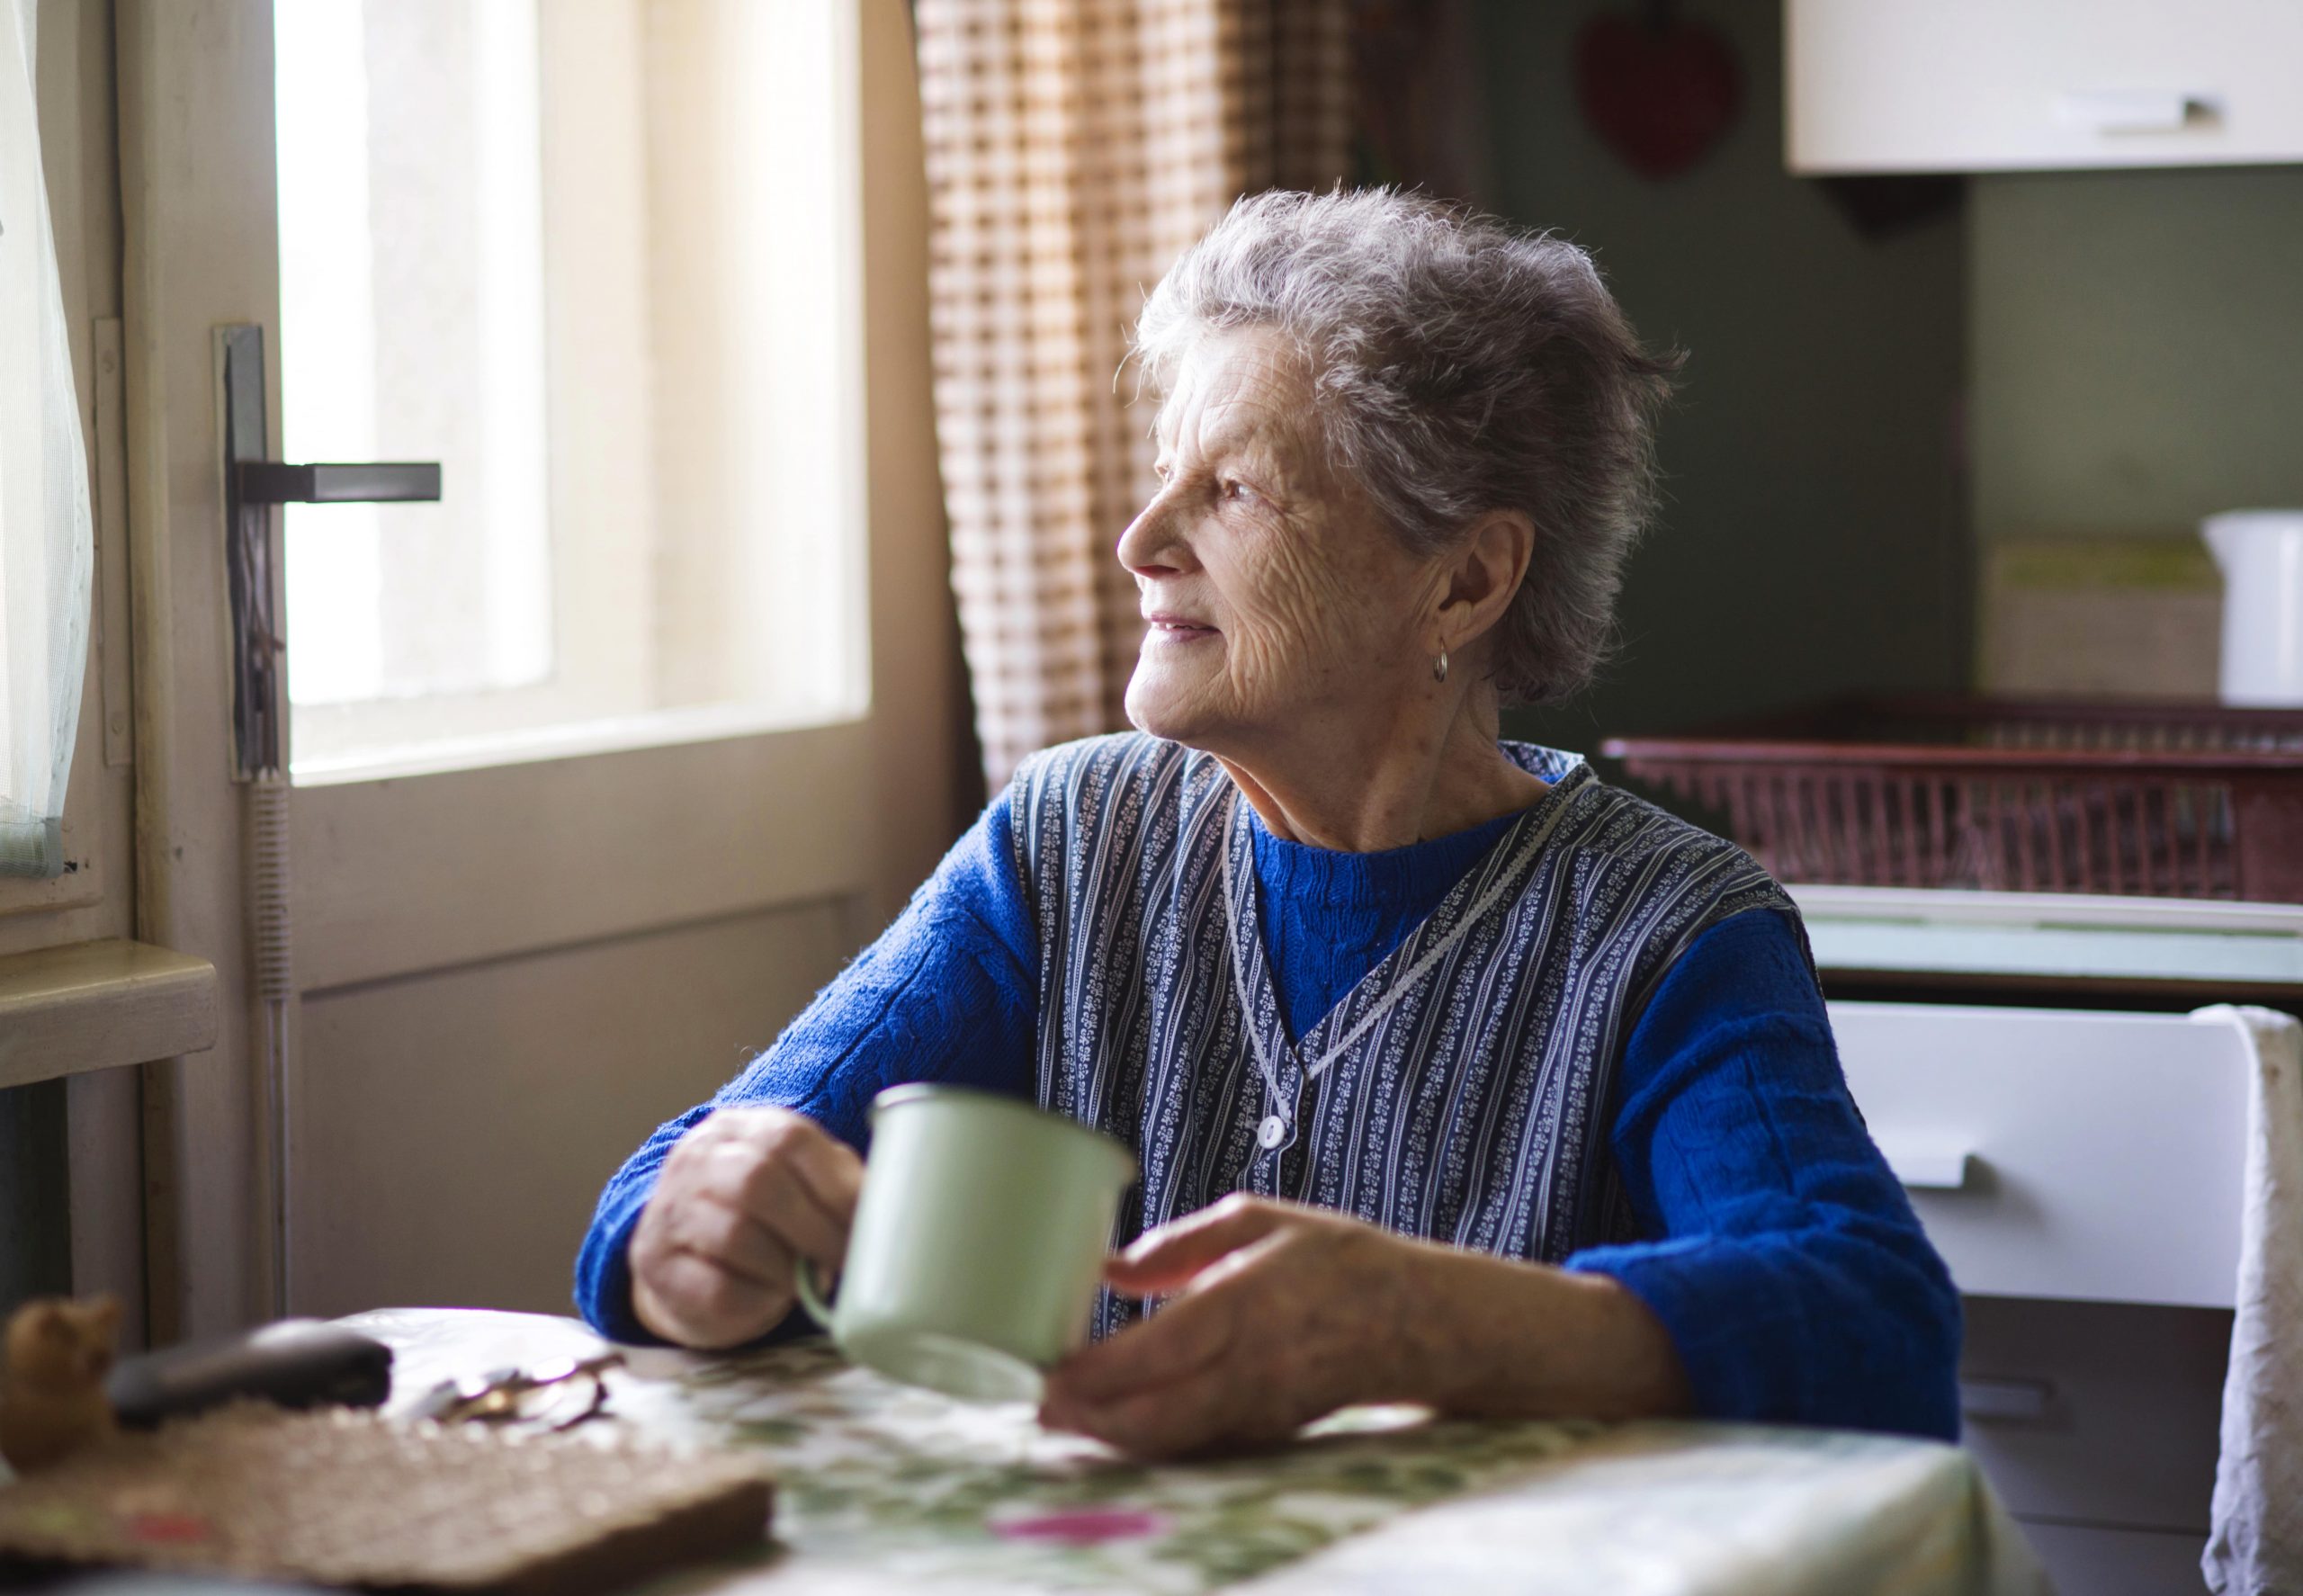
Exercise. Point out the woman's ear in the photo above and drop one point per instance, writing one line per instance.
(1484, 575)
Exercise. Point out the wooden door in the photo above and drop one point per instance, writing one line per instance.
(506, 969)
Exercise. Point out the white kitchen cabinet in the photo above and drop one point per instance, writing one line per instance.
(2090, 1560)
(1995, 85)
(2113, 1471)
(2074, 1154)
(2080, 1172)
(2121, 1422)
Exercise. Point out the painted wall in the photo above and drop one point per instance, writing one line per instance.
(1813, 542)
(2136, 340)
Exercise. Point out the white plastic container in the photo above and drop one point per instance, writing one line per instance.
(2260, 552)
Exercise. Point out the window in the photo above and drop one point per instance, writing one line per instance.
(600, 261)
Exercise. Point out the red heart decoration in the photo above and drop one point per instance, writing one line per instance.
(1659, 94)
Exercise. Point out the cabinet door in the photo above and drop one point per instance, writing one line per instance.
(1983, 85)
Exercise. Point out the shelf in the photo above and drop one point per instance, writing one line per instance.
(2059, 936)
(100, 1005)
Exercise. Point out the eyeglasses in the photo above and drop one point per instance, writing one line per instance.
(558, 1395)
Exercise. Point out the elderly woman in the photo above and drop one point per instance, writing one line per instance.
(1457, 1075)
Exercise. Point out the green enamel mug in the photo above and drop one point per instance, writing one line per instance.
(978, 1244)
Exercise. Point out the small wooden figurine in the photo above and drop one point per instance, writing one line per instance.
(52, 1386)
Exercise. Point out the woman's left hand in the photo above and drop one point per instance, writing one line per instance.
(1282, 1313)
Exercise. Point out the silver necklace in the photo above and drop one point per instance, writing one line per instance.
(1529, 846)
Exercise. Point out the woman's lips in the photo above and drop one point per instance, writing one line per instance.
(1174, 629)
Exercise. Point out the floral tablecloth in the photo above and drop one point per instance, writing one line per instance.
(881, 1485)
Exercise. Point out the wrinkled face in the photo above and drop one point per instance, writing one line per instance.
(1277, 600)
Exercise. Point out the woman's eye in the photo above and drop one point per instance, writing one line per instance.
(1233, 488)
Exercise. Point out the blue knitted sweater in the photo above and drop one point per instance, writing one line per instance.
(1782, 1257)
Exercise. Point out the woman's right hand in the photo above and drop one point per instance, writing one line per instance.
(744, 1195)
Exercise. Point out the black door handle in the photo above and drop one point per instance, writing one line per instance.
(268, 482)
(252, 486)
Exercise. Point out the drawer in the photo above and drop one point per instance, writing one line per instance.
(2096, 1412)
(2057, 1152)
(2081, 1560)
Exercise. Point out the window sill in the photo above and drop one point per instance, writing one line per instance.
(578, 739)
(100, 1005)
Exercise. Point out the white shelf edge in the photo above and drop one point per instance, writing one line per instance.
(2055, 935)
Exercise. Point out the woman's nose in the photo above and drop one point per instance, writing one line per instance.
(1150, 546)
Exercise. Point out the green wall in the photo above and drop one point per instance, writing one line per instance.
(1813, 541)
(2136, 344)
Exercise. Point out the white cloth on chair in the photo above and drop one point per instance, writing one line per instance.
(2255, 1547)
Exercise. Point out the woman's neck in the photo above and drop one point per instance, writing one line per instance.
(1369, 793)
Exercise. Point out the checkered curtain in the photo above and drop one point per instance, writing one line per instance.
(1074, 148)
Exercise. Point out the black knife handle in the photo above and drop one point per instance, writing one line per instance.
(296, 1363)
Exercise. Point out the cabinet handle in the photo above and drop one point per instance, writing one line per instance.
(2131, 110)
(1922, 1170)
(2015, 1400)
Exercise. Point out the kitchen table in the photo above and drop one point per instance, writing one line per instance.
(880, 1485)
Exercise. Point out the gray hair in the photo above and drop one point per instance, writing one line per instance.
(1459, 366)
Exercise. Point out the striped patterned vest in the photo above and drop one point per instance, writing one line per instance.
(1463, 1091)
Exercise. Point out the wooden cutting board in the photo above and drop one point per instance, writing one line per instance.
(347, 1497)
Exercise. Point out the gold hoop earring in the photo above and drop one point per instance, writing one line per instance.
(1440, 667)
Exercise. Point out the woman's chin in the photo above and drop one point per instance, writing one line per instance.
(1151, 718)
(1157, 709)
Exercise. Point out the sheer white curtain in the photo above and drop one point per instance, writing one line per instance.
(47, 538)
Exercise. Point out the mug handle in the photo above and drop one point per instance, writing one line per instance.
(810, 1296)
